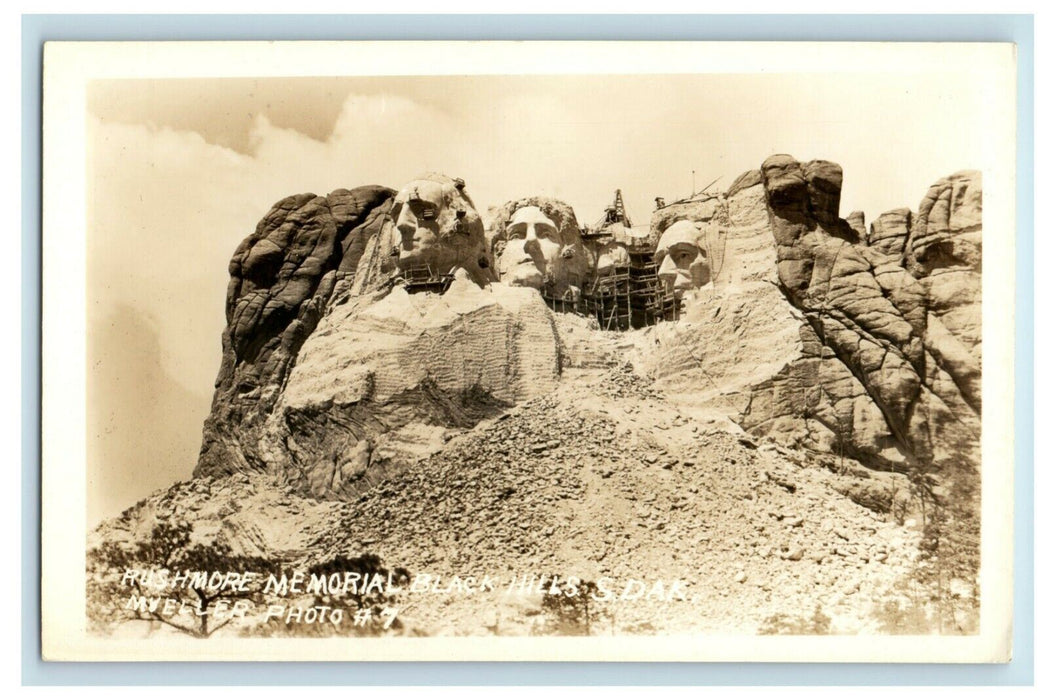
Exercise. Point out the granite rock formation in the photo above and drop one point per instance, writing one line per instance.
(282, 279)
(333, 375)
(889, 233)
(857, 221)
(878, 318)
(766, 446)
(808, 328)
(385, 381)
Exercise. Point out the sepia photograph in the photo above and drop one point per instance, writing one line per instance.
(442, 351)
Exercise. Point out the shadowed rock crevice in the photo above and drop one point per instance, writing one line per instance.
(281, 279)
(878, 318)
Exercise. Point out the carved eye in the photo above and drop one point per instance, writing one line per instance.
(683, 258)
(545, 231)
(517, 231)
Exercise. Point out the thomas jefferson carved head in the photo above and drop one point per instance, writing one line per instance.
(537, 244)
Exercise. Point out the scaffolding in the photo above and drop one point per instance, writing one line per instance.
(650, 300)
(614, 213)
(423, 278)
(629, 296)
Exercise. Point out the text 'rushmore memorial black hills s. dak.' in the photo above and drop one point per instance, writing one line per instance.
(751, 416)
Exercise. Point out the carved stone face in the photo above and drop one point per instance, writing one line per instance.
(615, 251)
(611, 255)
(416, 214)
(681, 259)
(534, 247)
(436, 228)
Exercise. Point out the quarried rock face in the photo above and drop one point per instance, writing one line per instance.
(282, 278)
(383, 382)
(737, 330)
(804, 327)
(333, 374)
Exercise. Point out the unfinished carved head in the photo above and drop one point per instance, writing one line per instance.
(537, 244)
(617, 242)
(681, 258)
(610, 256)
(436, 229)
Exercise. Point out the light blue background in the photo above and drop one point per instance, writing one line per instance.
(39, 28)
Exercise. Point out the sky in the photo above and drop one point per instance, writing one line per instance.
(181, 170)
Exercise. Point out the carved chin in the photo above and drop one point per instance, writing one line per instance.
(523, 276)
(416, 253)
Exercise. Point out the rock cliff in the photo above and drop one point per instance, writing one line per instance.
(881, 320)
(812, 330)
(332, 375)
(384, 382)
(767, 446)
(282, 278)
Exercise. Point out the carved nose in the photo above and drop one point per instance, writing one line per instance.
(668, 272)
(406, 224)
(531, 244)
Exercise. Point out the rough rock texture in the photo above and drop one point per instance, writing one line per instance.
(858, 356)
(756, 449)
(600, 477)
(874, 315)
(383, 382)
(945, 253)
(723, 346)
(948, 229)
(857, 221)
(701, 208)
(811, 331)
(282, 278)
(889, 233)
(744, 350)
(331, 377)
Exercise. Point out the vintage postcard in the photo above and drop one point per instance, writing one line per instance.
(528, 351)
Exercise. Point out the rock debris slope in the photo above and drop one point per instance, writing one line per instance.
(380, 383)
(763, 448)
